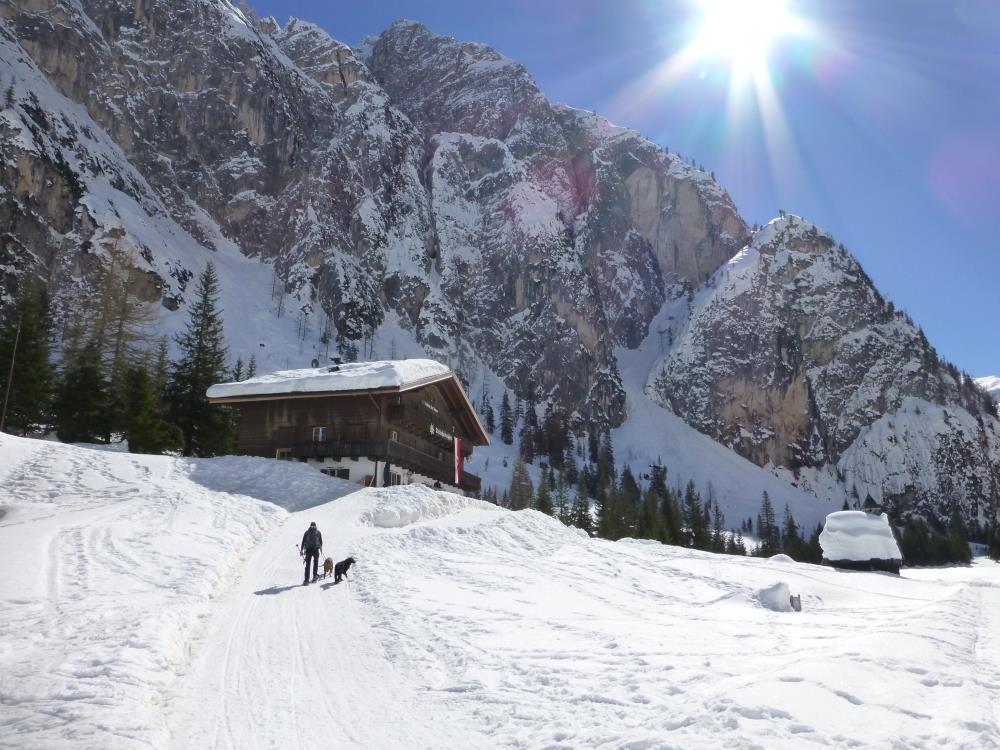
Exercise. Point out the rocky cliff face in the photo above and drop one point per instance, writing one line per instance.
(430, 179)
(426, 183)
(792, 358)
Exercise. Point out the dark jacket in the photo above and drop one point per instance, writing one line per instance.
(312, 539)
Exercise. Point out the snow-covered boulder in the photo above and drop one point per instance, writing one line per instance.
(777, 597)
(860, 541)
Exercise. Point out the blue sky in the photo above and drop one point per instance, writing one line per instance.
(883, 128)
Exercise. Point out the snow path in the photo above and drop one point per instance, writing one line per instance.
(152, 602)
(111, 562)
(290, 664)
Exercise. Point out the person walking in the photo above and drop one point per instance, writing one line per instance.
(312, 545)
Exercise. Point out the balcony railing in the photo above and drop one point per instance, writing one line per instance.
(397, 453)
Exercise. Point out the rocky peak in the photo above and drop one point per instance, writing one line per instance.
(323, 58)
(790, 356)
(449, 86)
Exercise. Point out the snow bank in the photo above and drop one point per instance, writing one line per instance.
(781, 558)
(777, 597)
(289, 484)
(856, 535)
(404, 506)
(118, 558)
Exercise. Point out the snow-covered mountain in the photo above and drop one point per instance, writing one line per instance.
(417, 194)
(790, 356)
(151, 601)
(990, 384)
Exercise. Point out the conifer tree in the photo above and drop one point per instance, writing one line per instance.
(606, 471)
(564, 509)
(522, 489)
(161, 368)
(649, 522)
(556, 436)
(251, 367)
(206, 427)
(81, 411)
(629, 501)
(529, 433)
(671, 524)
(146, 426)
(958, 539)
(491, 423)
(718, 543)
(739, 547)
(993, 542)
(604, 505)
(812, 551)
(582, 517)
(570, 470)
(593, 448)
(117, 320)
(694, 518)
(543, 500)
(792, 544)
(25, 372)
(767, 529)
(506, 421)
(237, 374)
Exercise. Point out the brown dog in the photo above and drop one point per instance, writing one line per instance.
(328, 567)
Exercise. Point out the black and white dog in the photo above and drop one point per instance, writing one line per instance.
(341, 568)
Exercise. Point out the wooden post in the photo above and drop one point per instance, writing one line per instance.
(10, 374)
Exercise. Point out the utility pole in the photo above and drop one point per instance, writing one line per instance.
(10, 374)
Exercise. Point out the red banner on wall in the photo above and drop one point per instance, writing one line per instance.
(458, 462)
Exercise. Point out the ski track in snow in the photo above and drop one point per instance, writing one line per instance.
(152, 602)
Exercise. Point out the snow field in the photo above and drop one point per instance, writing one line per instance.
(111, 562)
(155, 604)
(545, 639)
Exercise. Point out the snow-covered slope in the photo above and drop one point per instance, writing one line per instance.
(990, 384)
(151, 602)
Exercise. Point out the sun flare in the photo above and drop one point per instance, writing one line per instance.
(743, 32)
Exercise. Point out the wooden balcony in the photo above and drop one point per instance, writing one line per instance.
(418, 422)
(395, 452)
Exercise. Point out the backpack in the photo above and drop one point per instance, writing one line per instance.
(311, 538)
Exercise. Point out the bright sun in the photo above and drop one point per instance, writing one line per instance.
(743, 32)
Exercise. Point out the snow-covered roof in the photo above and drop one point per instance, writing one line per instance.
(402, 375)
(860, 536)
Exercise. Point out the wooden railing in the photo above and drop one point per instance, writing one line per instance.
(396, 452)
(340, 449)
(419, 422)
